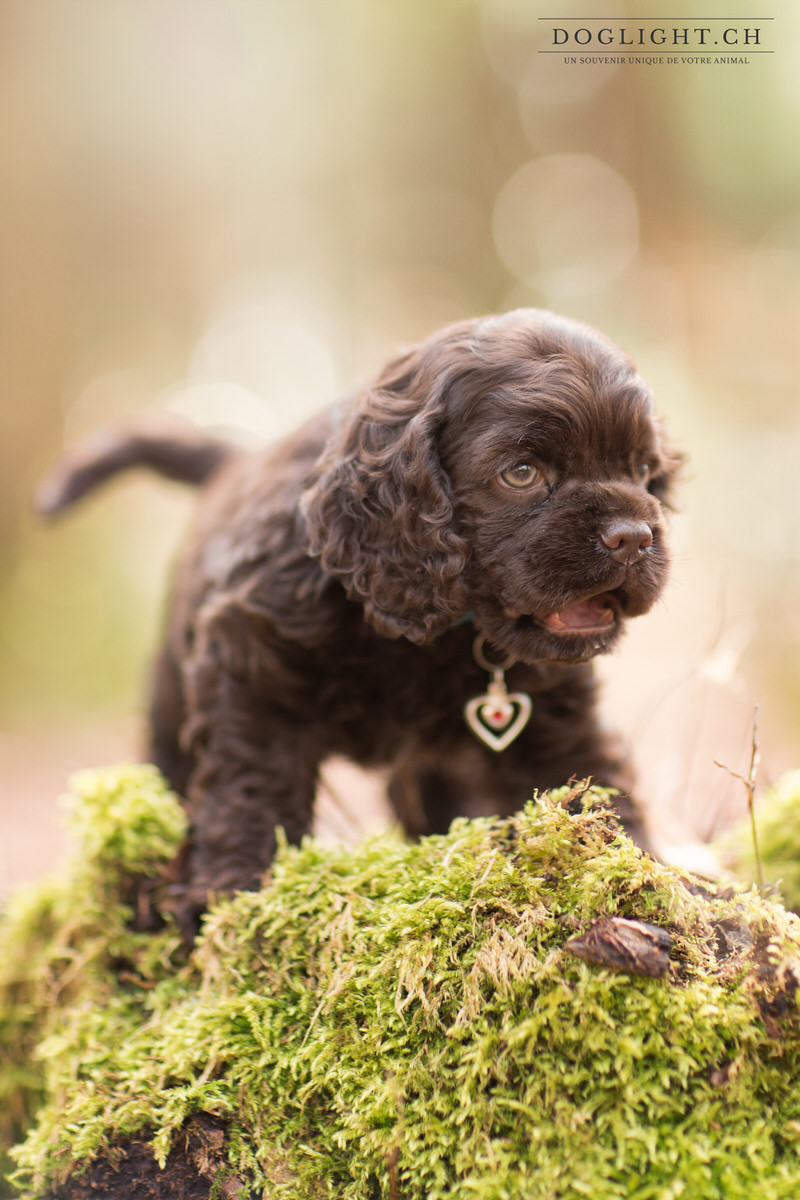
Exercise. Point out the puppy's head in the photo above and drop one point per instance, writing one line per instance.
(561, 473)
(512, 467)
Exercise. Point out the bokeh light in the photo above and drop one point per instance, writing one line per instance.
(567, 225)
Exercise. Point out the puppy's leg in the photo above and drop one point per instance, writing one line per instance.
(255, 760)
(247, 782)
(252, 774)
(426, 795)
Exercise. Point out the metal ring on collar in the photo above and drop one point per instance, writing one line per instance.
(481, 659)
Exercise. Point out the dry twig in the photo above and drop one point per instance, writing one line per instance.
(750, 788)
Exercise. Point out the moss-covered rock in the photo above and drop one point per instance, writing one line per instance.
(404, 1021)
(72, 943)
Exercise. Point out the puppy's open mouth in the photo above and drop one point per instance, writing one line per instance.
(592, 615)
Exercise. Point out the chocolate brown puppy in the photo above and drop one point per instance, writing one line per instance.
(488, 512)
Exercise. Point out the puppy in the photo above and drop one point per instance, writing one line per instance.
(417, 578)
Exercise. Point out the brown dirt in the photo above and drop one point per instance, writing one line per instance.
(195, 1167)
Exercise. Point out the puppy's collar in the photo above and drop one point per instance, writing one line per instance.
(467, 619)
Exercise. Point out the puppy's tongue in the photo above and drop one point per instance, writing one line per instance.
(589, 616)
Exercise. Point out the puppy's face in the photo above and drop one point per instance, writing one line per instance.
(559, 471)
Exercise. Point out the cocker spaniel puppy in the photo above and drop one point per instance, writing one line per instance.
(416, 578)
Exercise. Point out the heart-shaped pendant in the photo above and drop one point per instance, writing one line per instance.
(496, 717)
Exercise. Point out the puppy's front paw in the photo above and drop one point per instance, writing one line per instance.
(188, 904)
(190, 901)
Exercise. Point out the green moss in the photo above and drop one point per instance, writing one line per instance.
(68, 943)
(778, 830)
(405, 1020)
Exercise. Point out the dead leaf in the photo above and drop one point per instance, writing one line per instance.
(624, 945)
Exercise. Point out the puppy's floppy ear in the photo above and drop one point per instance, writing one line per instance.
(380, 514)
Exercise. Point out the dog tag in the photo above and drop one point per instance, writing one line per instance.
(498, 716)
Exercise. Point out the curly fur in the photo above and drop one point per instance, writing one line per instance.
(332, 586)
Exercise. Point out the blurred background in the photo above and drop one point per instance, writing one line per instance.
(236, 209)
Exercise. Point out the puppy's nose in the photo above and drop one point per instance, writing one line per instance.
(626, 541)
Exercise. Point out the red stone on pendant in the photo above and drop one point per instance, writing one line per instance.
(498, 717)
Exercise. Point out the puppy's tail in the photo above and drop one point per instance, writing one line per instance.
(164, 445)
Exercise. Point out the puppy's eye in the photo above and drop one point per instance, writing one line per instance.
(644, 473)
(520, 477)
